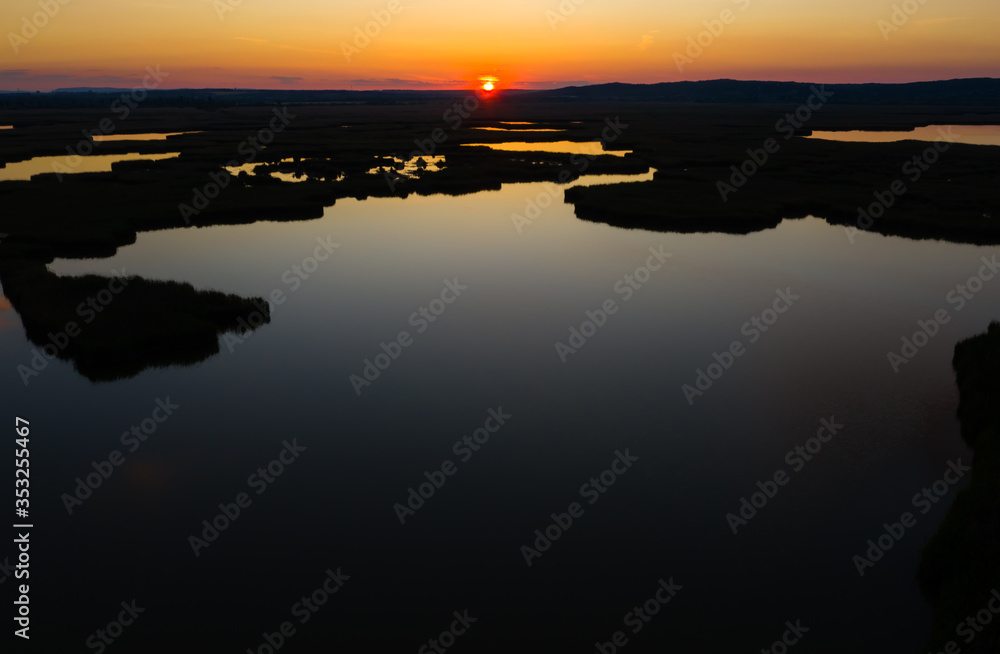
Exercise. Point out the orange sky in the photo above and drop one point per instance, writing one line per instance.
(524, 43)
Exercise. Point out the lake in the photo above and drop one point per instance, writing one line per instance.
(516, 129)
(563, 147)
(147, 136)
(98, 163)
(486, 305)
(971, 134)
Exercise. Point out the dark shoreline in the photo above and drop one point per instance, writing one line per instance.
(693, 148)
(959, 570)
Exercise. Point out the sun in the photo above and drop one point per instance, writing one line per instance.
(488, 85)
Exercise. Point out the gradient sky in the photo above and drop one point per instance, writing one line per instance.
(298, 44)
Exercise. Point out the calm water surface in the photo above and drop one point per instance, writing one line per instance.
(147, 136)
(495, 346)
(566, 147)
(98, 163)
(971, 134)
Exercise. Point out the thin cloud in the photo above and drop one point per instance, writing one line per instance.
(293, 47)
(558, 84)
(25, 75)
(397, 82)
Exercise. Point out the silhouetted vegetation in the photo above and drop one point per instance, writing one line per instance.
(955, 199)
(112, 328)
(960, 567)
(337, 145)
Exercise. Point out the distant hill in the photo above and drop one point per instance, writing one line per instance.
(978, 92)
(958, 92)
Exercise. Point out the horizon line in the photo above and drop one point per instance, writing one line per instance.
(91, 89)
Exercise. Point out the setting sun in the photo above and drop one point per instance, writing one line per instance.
(487, 85)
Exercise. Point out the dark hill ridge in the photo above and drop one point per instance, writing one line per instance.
(976, 92)
(959, 92)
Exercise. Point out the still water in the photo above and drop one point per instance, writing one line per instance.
(516, 129)
(147, 136)
(493, 348)
(566, 147)
(971, 134)
(98, 163)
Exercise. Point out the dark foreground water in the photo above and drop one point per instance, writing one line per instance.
(286, 392)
